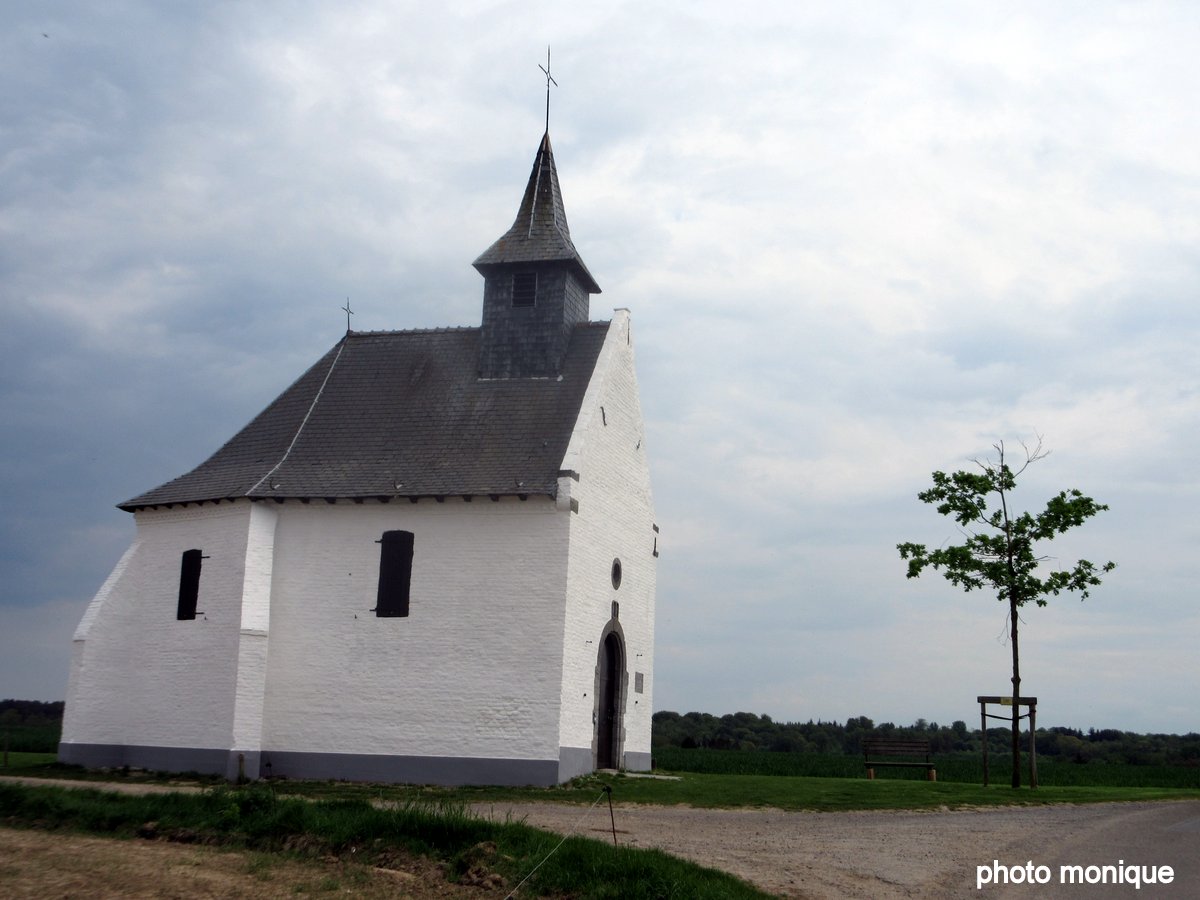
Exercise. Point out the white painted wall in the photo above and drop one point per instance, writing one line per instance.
(289, 655)
(254, 630)
(140, 676)
(472, 671)
(615, 521)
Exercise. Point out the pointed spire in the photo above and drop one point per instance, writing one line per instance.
(540, 232)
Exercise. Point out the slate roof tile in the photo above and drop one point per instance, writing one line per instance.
(540, 232)
(400, 414)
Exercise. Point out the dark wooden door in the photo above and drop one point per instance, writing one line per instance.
(608, 726)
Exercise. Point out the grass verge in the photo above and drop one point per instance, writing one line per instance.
(752, 791)
(960, 767)
(704, 790)
(256, 818)
(27, 763)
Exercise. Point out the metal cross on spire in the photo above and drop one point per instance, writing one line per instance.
(549, 81)
(349, 313)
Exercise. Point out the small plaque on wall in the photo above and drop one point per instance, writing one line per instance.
(638, 681)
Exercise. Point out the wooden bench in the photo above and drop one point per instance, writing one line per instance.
(874, 748)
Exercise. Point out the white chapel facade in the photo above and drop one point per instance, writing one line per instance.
(431, 559)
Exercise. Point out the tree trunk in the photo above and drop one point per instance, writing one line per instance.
(1016, 700)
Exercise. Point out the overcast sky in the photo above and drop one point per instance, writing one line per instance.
(860, 242)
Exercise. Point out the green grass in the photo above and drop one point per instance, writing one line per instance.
(46, 765)
(735, 791)
(31, 738)
(704, 790)
(256, 818)
(966, 768)
(27, 763)
(843, 794)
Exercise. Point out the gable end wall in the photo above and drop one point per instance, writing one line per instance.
(615, 520)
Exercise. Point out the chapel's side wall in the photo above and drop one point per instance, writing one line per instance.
(463, 689)
(614, 520)
(287, 670)
(145, 688)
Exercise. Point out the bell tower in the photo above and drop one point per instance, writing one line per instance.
(536, 287)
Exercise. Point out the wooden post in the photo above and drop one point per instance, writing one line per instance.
(983, 735)
(1033, 745)
(1015, 702)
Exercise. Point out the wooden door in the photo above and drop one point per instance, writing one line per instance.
(608, 725)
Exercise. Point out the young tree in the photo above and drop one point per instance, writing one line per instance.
(999, 547)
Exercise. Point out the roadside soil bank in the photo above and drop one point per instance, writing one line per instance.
(36, 864)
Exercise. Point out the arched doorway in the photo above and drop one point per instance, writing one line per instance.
(609, 676)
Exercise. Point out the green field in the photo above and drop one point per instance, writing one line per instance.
(963, 768)
(960, 769)
(27, 763)
(714, 778)
(702, 790)
(42, 738)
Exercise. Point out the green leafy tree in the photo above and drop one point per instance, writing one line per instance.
(999, 550)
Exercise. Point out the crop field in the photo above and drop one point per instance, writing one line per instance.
(41, 738)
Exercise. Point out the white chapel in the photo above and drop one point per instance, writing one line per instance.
(431, 559)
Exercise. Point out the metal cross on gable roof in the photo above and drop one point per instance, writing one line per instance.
(349, 313)
(549, 81)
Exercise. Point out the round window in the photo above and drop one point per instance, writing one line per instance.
(616, 573)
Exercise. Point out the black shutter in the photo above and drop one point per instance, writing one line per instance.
(524, 288)
(395, 573)
(189, 584)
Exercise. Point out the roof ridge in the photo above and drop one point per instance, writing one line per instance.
(441, 329)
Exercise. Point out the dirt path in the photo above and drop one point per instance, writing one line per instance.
(115, 787)
(41, 864)
(899, 854)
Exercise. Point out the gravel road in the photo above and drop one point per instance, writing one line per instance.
(899, 854)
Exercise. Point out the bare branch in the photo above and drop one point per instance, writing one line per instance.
(1032, 456)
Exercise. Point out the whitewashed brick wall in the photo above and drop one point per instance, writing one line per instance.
(615, 521)
(140, 676)
(255, 629)
(472, 671)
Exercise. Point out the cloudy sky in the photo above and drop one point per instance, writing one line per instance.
(860, 242)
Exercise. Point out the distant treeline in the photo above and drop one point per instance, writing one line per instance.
(35, 726)
(748, 731)
(31, 712)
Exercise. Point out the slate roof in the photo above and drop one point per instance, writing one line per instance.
(540, 232)
(400, 414)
